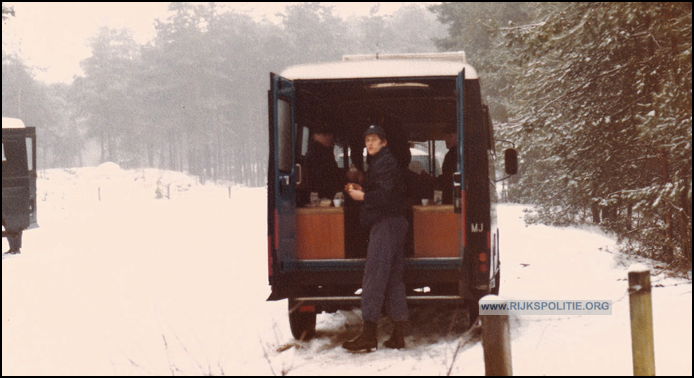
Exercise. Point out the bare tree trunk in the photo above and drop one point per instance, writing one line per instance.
(103, 152)
(595, 209)
(686, 224)
(667, 247)
(150, 154)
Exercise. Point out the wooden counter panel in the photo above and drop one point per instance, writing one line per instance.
(436, 231)
(320, 233)
(319, 210)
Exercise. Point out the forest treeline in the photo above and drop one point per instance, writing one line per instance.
(602, 116)
(195, 98)
(597, 98)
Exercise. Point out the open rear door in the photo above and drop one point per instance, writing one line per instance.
(281, 180)
(30, 141)
(459, 177)
(459, 203)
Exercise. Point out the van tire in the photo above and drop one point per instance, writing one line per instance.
(473, 311)
(302, 324)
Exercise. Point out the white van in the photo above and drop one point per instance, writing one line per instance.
(316, 255)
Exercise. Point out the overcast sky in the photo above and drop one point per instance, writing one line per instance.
(52, 36)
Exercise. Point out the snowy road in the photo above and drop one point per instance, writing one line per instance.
(131, 285)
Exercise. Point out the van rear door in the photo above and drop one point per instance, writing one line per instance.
(459, 176)
(19, 178)
(459, 197)
(281, 180)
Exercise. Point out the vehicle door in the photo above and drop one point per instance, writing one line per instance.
(282, 177)
(460, 203)
(15, 180)
(30, 143)
(459, 177)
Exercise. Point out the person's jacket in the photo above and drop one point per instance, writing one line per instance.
(384, 189)
(323, 174)
(445, 181)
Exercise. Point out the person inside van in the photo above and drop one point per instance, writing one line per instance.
(323, 174)
(450, 162)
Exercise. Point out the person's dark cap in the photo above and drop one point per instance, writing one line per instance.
(373, 129)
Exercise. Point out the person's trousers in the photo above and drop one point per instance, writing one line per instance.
(14, 239)
(385, 265)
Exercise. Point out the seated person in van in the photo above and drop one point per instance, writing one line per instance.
(450, 161)
(323, 174)
(417, 182)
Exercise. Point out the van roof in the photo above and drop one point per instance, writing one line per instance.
(376, 66)
(457, 56)
(12, 123)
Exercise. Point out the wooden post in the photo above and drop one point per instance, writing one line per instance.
(496, 342)
(641, 320)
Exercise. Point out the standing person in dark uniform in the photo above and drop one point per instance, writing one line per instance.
(14, 238)
(324, 176)
(450, 163)
(383, 214)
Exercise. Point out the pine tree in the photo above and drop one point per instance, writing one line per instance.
(603, 96)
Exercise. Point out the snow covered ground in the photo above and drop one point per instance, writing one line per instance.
(118, 282)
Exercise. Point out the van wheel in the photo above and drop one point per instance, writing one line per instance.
(302, 324)
(497, 280)
(473, 311)
(474, 306)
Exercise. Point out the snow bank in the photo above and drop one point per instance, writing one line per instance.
(134, 285)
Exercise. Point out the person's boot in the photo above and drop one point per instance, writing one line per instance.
(367, 340)
(13, 251)
(397, 338)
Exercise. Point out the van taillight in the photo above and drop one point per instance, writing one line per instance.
(462, 217)
(269, 256)
(307, 308)
(272, 240)
(277, 231)
(483, 268)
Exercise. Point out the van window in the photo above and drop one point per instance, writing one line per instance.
(304, 141)
(284, 133)
(339, 153)
(441, 151)
(422, 154)
(13, 159)
(30, 154)
(339, 156)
